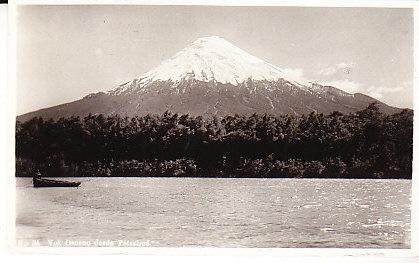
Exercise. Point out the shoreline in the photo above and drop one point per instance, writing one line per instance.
(225, 177)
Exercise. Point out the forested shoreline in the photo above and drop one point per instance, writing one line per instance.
(364, 144)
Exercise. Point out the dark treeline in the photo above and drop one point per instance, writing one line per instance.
(365, 144)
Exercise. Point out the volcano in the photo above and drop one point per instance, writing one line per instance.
(210, 77)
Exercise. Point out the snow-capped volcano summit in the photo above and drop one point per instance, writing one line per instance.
(213, 59)
(209, 77)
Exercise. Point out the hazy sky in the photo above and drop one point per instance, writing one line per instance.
(67, 52)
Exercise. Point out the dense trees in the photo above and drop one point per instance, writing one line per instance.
(365, 144)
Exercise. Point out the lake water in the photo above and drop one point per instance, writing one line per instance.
(217, 212)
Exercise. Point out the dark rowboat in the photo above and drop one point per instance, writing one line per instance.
(39, 182)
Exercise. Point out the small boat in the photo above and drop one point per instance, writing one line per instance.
(40, 182)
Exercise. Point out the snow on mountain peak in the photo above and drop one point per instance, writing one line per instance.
(213, 59)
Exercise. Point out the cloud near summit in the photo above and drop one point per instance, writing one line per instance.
(379, 92)
(337, 76)
(345, 67)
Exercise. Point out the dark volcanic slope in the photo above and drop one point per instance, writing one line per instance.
(196, 97)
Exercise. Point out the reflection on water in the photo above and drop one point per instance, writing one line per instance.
(219, 212)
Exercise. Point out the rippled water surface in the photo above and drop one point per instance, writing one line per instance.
(219, 212)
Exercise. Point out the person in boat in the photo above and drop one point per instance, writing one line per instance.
(37, 174)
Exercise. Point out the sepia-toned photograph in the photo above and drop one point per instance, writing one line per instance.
(213, 126)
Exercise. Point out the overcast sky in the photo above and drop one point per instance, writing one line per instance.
(67, 52)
